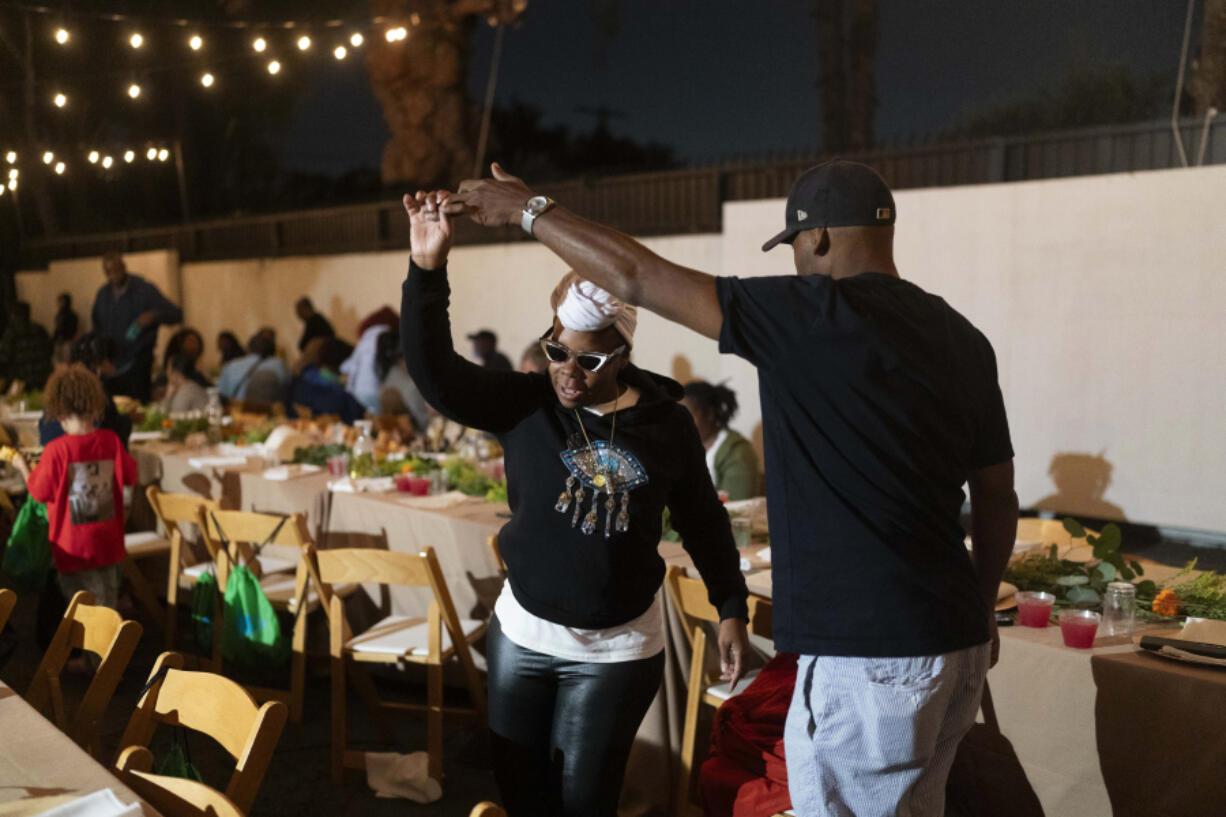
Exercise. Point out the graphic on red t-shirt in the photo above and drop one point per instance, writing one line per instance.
(90, 496)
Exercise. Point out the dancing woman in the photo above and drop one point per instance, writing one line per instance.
(596, 449)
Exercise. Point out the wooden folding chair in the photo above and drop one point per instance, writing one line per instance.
(497, 553)
(208, 703)
(174, 510)
(99, 630)
(487, 809)
(689, 597)
(283, 540)
(8, 600)
(395, 639)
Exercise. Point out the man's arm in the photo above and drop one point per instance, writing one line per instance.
(993, 531)
(159, 309)
(602, 255)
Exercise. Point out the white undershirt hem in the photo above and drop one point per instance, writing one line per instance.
(639, 638)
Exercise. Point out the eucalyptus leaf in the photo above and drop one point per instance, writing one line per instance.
(1107, 571)
(1147, 589)
(1136, 568)
(1111, 537)
(1074, 527)
(1080, 595)
(1072, 581)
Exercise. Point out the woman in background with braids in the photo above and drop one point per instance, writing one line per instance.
(730, 457)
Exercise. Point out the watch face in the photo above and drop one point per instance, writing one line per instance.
(536, 204)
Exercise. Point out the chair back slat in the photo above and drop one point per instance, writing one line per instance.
(93, 628)
(355, 565)
(174, 508)
(252, 528)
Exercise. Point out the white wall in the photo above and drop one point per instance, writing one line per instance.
(1104, 297)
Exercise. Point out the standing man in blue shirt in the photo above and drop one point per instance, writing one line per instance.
(879, 402)
(128, 310)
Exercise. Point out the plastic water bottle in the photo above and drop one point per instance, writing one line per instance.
(359, 465)
(215, 414)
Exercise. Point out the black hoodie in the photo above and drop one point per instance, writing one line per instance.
(556, 571)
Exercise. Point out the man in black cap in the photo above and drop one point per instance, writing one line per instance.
(485, 348)
(879, 402)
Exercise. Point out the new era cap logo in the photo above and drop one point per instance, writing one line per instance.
(801, 215)
(883, 213)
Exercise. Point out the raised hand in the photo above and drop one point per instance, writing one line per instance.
(430, 232)
(494, 202)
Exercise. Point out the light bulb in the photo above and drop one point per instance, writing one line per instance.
(60, 167)
(61, 35)
(259, 44)
(11, 156)
(93, 157)
(60, 100)
(136, 40)
(48, 157)
(196, 42)
(304, 42)
(207, 80)
(356, 40)
(274, 67)
(134, 90)
(107, 161)
(339, 52)
(151, 154)
(163, 155)
(12, 184)
(12, 172)
(129, 156)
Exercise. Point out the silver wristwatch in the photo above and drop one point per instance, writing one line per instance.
(536, 206)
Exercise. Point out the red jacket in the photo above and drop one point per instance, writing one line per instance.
(81, 478)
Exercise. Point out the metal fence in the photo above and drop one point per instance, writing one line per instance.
(669, 202)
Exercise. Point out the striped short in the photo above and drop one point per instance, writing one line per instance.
(875, 737)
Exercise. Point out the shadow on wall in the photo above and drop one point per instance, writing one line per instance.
(683, 370)
(1081, 480)
(344, 318)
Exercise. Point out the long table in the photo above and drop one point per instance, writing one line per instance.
(40, 766)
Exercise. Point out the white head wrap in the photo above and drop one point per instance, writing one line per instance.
(581, 306)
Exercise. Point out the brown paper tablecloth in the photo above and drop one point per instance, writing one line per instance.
(40, 766)
(1161, 734)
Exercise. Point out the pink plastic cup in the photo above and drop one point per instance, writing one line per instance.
(419, 486)
(338, 465)
(1078, 627)
(1034, 608)
(402, 484)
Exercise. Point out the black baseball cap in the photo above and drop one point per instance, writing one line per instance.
(484, 334)
(837, 193)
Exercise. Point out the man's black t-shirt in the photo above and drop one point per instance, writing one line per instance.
(878, 401)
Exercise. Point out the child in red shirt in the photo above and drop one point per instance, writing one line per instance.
(81, 477)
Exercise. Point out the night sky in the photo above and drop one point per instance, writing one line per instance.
(716, 79)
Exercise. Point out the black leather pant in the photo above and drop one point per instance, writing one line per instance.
(562, 730)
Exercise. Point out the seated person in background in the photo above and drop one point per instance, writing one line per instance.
(97, 354)
(314, 325)
(190, 344)
(25, 349)
(319, 387)
(485, 349)
(261, 357)
(730, 457)
(228, 347)
(81, 476)
(182, 392)
(534, 360)
(360, 369)
(398, 394)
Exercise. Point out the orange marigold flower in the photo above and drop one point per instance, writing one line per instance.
(407, 468)
(168, 423)
(1166, 603)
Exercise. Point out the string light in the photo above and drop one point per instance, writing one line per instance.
(207, 80)
(129, 156)
(93, 157)
(107, 161)
(48, 158)
(134, 90)
(259, 44)
(356, 39)
(196, 42)
(61, 36)
(304, 42)
(163, 155)
(274, 67)
(60, 100)
(339, 52)
(12, 184)
(60, 167)
(151, 154)
(136, 40)
(12, 172)
(395, 35)
(11, 157)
